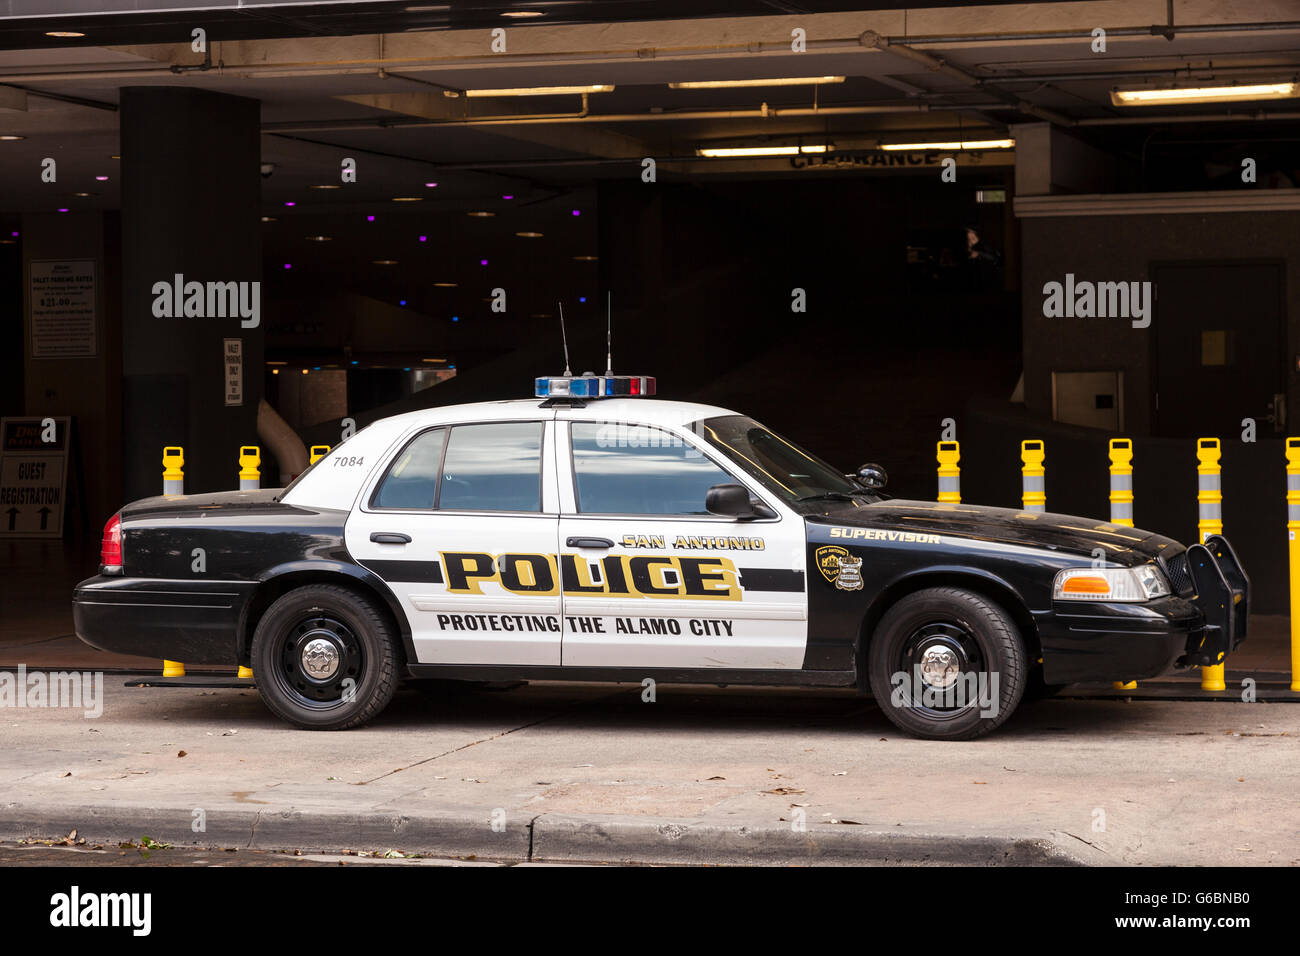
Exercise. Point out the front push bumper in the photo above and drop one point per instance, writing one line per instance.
(1223, 596)
(1199, 625)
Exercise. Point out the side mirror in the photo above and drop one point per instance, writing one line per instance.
(872, 476)
(731, 501)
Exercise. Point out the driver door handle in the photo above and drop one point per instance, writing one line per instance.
(588, 543)
(390, 537)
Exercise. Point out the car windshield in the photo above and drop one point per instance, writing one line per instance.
(783, 468)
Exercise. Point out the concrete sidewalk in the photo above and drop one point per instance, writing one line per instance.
(569, 772)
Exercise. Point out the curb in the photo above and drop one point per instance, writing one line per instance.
(557, 838)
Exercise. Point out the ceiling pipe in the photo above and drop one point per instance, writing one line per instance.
(1256, 116)
(877, 41)
(560, 118)
(372, 64)
(1168, 31)
(1173, 73)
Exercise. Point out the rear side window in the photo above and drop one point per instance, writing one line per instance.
(495, 466)
(412, 479)
(639, 470)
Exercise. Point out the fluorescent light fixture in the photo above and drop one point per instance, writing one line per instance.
(775, 81)
(529, 235)
(521, 14)
(64, 34)
(963, 144)
(724, 151)
(544, 90)
(1204, 94)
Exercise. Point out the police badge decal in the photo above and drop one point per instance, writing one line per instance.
(839, 567)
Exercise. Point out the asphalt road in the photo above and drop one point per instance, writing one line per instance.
(1142, 782)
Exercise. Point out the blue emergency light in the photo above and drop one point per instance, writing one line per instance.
(594, 386)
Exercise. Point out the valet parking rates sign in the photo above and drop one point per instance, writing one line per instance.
(33, 476)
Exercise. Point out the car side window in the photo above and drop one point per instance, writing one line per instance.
(412, 479)
(493, 466)
(639, 470)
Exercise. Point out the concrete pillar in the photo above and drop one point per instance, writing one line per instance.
(191, 194)
(1051, 161)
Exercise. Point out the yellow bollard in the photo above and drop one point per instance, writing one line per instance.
(244, 672)
(1293, 550)
(1033, 475)
(250, 456)
(173, 669)
(1209, 498)
(173, 470)
(949, 474)
(318, 452)
(1121, 501)
(1121, 481)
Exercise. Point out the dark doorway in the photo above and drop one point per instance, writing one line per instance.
(1220, 351)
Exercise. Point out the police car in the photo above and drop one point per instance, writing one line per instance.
(596, 533)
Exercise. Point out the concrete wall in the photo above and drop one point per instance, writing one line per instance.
(1123, 247)
(89, 389)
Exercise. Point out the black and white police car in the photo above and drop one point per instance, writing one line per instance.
(593, 533)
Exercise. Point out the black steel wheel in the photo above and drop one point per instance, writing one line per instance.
(325, 658)
(947, 664)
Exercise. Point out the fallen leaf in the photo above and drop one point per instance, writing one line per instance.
(782, 791)
(180, 753)
(68, 774)
(980, 782)
(717, 778)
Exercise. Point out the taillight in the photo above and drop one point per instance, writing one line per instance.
(110, 550)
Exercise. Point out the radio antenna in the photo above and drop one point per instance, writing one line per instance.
(565, 339)
(609, 333)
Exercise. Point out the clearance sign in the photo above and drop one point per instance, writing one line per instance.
(33, 476)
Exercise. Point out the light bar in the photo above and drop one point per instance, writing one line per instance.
(594, 386)
(544, 90)
(963, 144)
(722, 151)
(1204, 94)
(778, 81)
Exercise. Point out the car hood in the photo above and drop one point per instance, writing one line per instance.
(1056, 532)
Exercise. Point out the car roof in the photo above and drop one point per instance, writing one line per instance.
(647, 411)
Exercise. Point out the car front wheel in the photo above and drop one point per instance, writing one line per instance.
(325, 658)
(947, 664)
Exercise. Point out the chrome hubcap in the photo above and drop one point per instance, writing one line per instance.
(940, 666)
(320, 658)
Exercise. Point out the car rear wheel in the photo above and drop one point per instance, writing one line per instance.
(325, 658)
(947, 664)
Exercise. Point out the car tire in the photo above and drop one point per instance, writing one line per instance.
(947, 664)
(326, 658)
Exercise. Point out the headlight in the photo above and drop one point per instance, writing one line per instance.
(1110, 584)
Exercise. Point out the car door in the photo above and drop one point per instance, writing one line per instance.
(462, 526)
(653, 580)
